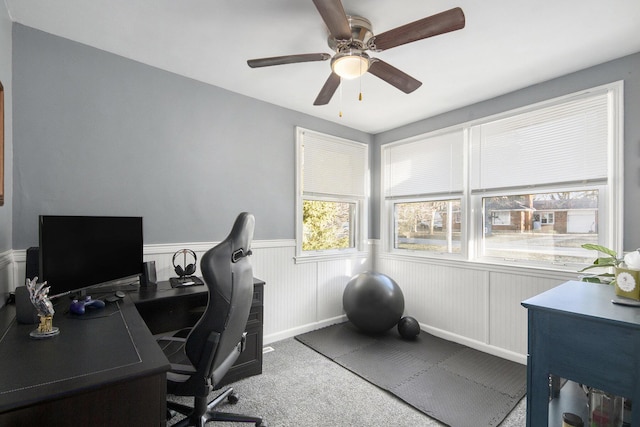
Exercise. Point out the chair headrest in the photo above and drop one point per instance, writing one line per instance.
(241, 236)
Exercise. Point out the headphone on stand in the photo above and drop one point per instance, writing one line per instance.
(189, 269)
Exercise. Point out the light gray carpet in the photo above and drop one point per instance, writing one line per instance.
(450, 382)
(299, 387)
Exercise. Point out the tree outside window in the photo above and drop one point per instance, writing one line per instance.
(430, 226)
(327, 225)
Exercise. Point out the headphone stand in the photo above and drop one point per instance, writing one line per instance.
(181, 282)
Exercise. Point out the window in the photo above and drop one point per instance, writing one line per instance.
(331, 187)
(537, 235)
(500, 217)
(327, 225)
(561, 153)
(544, 218)
(431, 226)
(423, 193)
(526, 187)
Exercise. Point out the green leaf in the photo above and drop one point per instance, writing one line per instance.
(606, 262)
(600, 265)
(604, 250)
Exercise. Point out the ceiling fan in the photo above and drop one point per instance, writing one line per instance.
(351, 36)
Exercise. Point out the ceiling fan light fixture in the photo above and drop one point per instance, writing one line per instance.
(351, 36)
(351, 64)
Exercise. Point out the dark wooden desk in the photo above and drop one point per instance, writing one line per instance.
(104, 368)
(575, 332)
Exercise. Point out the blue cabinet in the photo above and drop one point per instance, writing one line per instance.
(575, 332)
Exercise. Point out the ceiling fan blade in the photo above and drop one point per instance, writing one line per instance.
(393, 76)
(430, 26)
(287, 59)
(328, 90)
(335, 18)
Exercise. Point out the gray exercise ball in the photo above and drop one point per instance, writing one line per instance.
(373, 302)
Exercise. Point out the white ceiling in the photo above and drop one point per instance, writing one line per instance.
(506, 45)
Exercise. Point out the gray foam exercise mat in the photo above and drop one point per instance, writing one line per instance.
(450, 382)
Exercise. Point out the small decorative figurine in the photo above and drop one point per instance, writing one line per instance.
(39, 294)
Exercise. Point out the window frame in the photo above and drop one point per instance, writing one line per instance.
(502, 221)
(610, 216)
(355, 220)
(387, 209)
(477, 202)
(391, 232)
(544, 217)
(361, 203)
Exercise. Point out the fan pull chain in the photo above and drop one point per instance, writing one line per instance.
(340, 115)
(360, 83)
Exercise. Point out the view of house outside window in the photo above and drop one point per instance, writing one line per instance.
(549, 227)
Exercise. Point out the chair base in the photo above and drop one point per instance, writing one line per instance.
(203, 412)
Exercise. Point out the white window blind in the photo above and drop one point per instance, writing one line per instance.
(332, 166)
(563, 143)
(433, 165)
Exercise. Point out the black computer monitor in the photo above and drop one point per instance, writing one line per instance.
(77, 252)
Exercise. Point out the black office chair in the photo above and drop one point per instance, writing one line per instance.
(202, 355)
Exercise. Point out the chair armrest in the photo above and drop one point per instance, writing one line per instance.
(171, 346)
(180, 333)
(179, 368)
(172, 339)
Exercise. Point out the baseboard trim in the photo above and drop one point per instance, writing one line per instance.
(478, 345)
(279, 336)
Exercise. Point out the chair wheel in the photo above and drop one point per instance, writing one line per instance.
(170, 414)
(262, 424)
(233, 398)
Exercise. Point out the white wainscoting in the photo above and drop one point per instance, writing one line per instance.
(6, 275)
(298, 297)
(474, 304)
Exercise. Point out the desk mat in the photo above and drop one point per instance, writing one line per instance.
(86, 345)
(452, 383)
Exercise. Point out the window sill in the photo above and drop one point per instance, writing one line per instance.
(347, 254)
(487, 264)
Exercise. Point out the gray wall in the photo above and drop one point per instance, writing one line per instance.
(98, 134)
(95, 133)
(5, 78)
(627, 69)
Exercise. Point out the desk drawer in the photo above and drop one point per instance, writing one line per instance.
(255, 316)
(258, 296)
